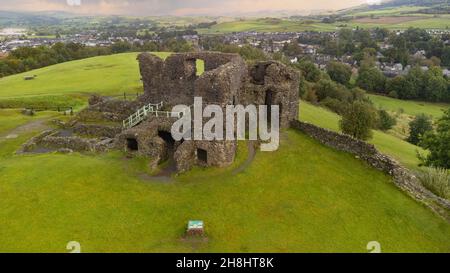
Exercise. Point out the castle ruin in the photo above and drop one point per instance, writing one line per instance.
(227, 80)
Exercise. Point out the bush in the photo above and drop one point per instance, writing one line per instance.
(437, 181)
(309, 71)
(328, 88)
(385, 121)
(310, 95)
(358, 120)
(393, 94)
(339, 72)
(334, 105)
(418, 127)
(438, 143)
(371, 79)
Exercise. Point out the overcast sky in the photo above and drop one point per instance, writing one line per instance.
(174, 7)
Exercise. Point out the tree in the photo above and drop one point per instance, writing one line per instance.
(439, 144)
(402, 88)
(385, 121)
(418, 127)
(371, 79)
(329, 89)
(435, 85)
(309, 71)
(445, 58)
(292, 49)
(416, 79)
(339, 72)
(358, 120)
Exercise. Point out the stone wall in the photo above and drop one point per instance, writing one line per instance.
(227, 80)
(102, 108)
(402, 177)
(175, 81)
(50, 139)
(96, 130)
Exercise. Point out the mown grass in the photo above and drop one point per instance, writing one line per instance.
(12, 118)
(43, 102)
(399, 149)
(303, 198)
(112, 74)
(69, 84)
(409, 107)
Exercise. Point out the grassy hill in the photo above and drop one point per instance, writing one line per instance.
(303, 198)
(106, 75)
(409, 107)
(393, 15)
(423, 21)
(69, 84)
(401, 150)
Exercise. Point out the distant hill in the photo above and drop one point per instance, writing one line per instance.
(395, 3)
(404, 7)
(17, 19)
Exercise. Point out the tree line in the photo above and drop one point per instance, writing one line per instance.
(28, 58)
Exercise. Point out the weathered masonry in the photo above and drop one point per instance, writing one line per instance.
(227, 80)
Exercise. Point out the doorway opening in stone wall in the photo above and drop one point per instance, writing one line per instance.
(167, 137)
(269, 101)
(202, 156)
(132, 145)
(169, 164)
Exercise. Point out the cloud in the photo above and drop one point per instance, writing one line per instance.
(173, 7)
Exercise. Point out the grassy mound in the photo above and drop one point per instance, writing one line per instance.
(304, 197)
(107, 75)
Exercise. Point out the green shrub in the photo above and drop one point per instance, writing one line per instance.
(335, 105)
(393, 94)
(358, 120)
(310, 96)
(419, 127)
(437, 180)
(385, 121)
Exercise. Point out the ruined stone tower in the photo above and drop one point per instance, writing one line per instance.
(227, 80)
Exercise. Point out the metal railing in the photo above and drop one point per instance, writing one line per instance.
(147, 110)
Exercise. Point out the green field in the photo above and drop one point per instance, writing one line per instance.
(107, 75)
(391, 145)
(69, 84)
(409, 107)
(285, 25)
(303, 198)
(388, 11)
(266, 25)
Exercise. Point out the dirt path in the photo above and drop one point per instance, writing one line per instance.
(37, 125)
(250, 158)
(165, 175)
